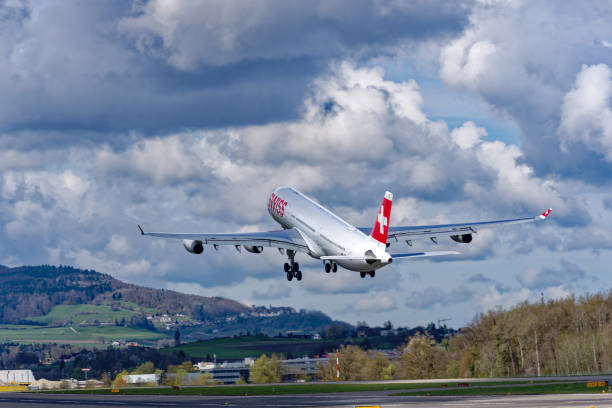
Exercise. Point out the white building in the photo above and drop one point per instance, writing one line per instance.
(142, 378)
(17, 376)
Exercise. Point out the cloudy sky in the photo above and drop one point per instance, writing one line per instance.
(185, 116)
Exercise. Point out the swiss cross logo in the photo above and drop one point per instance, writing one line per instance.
(382, 220)
(381, 225)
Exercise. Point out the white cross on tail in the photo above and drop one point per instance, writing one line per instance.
(382, 220)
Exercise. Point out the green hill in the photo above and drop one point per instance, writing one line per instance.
(99, 306)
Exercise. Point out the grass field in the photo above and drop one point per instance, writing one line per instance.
(78, 314)
(252, 346)
(41, 334)
(334, 387)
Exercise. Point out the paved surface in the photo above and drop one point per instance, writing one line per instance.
(23, 400)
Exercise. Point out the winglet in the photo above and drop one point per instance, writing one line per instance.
(140, 228)
(545, 214)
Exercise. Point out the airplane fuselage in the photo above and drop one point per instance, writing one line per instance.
(325, 233)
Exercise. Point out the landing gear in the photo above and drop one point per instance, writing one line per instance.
(331, 267)
(371, 273)
(292, 268)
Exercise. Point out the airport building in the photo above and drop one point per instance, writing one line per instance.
(142, 378)
(299, 368)
(293, 369)
(16, 377)
(227, 373)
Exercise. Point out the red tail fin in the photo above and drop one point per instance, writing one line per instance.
(381, 227)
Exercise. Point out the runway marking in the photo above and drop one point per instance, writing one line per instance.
(472, 403)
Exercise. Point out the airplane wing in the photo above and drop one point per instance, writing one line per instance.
(409, 233)
(284, 239)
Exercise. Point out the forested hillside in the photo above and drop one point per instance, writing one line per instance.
(64, 296)
(568, 336)
(30, 291)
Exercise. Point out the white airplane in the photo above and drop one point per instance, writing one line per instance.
(311, 228)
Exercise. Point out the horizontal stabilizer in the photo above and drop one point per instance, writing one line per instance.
(348, 258)
(394, 256)
(424, 254)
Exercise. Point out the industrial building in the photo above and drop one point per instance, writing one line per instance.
(142, 379)
(16, 377)
(227, 373)
(298, 368)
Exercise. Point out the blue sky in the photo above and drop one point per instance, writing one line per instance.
(183, 116)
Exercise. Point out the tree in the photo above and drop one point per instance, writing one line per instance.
(180, 377)
(352, 365)
(419, 360)
(377, 368)
(335, 331)
(187, 365)
(177, 337)
(144, 368)
(206, 379)
(266, 370)
(120, 381)
(106, 380)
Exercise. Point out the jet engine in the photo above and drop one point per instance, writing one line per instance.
(194, 247)
(254, 249)
(464, 239)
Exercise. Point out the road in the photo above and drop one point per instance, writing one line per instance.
(23, 400)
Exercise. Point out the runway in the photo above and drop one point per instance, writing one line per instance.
(383, 399)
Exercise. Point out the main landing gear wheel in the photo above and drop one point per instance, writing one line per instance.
(328, 268)
(362, 274)
(372, 273)
(334, 267)
(292, 268)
